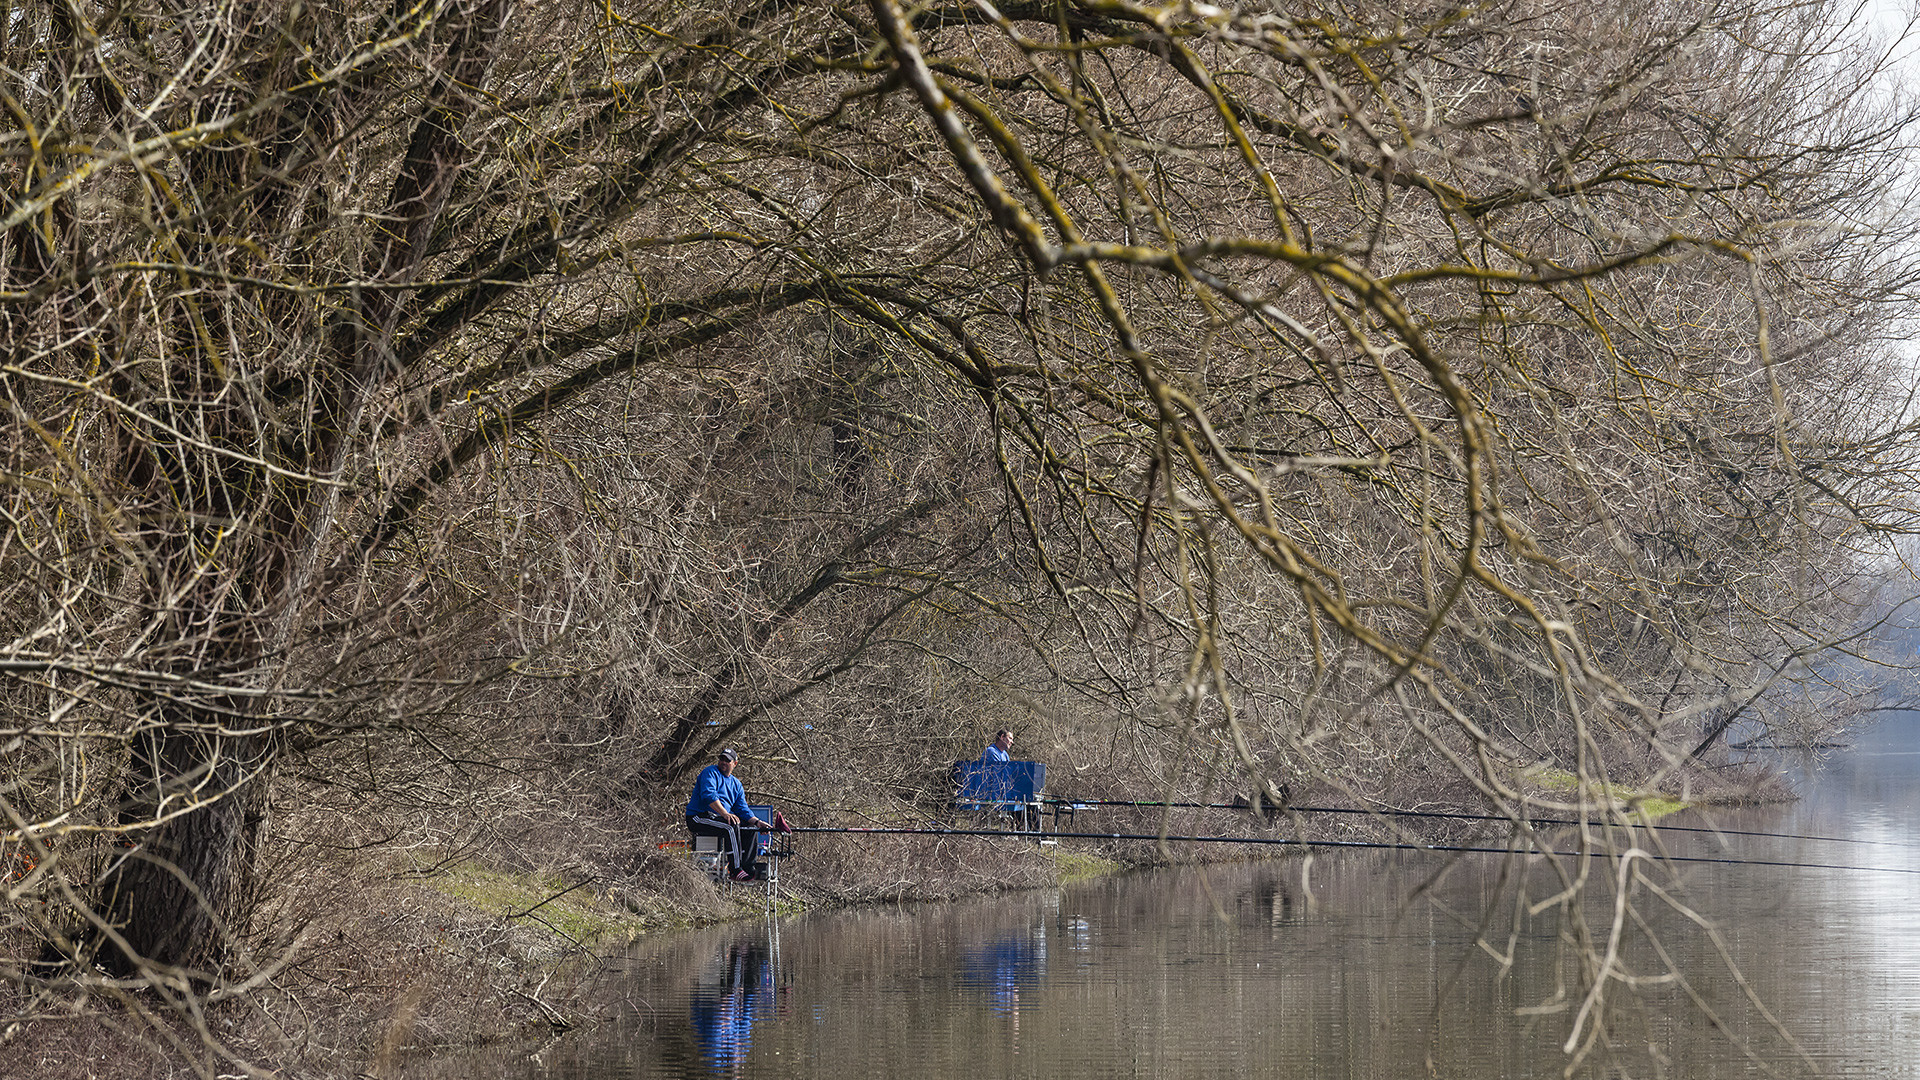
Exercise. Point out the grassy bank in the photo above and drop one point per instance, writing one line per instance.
(367, 958)
(390, 957)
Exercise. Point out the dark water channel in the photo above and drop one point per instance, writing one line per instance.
(1330, 969)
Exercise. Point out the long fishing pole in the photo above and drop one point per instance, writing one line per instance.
(1465, 817)
(1285, 842)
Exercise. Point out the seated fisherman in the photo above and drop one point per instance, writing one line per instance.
(997, 750)
(719, 808)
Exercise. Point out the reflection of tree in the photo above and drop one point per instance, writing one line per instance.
(727, 1001)
(1269, 901)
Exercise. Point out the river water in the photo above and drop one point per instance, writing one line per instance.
(1366, 965)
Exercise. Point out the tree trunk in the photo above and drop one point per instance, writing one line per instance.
(180, 892)
(243, 541)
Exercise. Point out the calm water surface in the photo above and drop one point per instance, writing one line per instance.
(1360, 964)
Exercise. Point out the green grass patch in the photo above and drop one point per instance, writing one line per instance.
(537, 900)
(1655, 807)
(1074, 866)
(1648, 805)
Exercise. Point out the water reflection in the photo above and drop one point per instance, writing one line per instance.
(732, 994)
(1271, 899)
(1001, 969)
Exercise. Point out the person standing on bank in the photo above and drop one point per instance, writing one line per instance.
(997, 750)
(719, 808)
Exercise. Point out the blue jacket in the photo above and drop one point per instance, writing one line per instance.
(714, 784)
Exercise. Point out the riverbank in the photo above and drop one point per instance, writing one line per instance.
(366, 959)
(370, 961)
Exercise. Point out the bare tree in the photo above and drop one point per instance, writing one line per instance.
(1451, 388)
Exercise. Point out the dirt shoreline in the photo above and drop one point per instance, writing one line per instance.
(364, 966)
(372, 970)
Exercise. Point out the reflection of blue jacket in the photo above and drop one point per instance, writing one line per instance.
(723, 1026)
(716, 785)
(1004, 968)
(724, 1014)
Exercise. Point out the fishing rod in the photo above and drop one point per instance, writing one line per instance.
(1285, 842)
(1462, 817)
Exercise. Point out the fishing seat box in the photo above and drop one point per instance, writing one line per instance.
(1012, 786)
(707, 848)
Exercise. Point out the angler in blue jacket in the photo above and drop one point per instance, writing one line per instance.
(997, 750)
(719, 808)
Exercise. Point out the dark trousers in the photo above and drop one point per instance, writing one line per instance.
(740, 842)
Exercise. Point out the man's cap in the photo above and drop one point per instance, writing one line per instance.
(729, 754)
